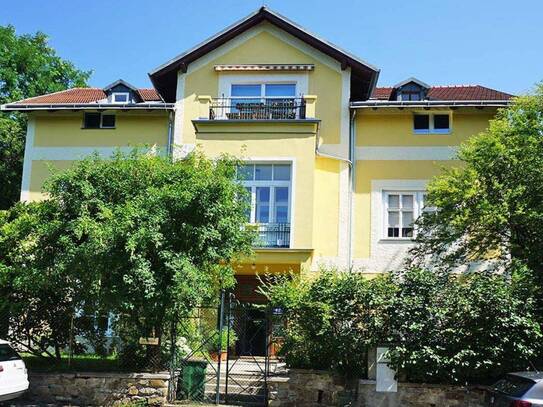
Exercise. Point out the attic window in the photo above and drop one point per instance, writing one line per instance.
(410, 95)
(120, 97)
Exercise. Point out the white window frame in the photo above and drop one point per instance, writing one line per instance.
(226, 80)
(263, 90)
(418, 209)
(253, 184)
(114, 95)
(102, 114)
(431, 129)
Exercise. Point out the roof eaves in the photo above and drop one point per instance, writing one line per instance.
(429, 103)
(120, 82)
(85, 106)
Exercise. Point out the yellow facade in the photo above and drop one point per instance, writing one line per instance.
(335, 197)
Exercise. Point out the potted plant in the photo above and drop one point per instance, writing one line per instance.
(226, 340)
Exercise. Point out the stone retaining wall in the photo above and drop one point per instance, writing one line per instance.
(98, 389)
(304, 388)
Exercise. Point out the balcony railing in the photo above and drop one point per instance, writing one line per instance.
(273, 235)
(257, 109)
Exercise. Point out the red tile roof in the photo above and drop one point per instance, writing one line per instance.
(84, 95)
(451, 92)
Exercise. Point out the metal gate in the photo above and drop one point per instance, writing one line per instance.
(224, 354)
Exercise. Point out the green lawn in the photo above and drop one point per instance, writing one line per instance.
(88, 363)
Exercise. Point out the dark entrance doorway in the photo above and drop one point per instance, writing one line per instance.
(252, 331)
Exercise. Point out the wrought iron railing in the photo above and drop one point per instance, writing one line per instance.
(272, 235)
(257, 109)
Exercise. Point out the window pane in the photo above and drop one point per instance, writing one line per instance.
(281, 172)
(108, 120)
(407, 201)
(393, 201)
(393, 219)
(245, 172)
(92, 120)
(281, 195)
(120, 97)
(441, 121)
(407, 232)
(247, 198)
(262, 204)
(281, 214)
(246, 90)
(263, 172)
(421, 122)
(285, 89)
(407, 219)
(393, 232)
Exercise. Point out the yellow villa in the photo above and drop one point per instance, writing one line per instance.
(336, 166)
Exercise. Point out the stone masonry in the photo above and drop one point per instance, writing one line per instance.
(304, 388)
(98, 389)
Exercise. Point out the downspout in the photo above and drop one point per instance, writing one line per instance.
(350, 161)
(170, 134)
(352, 173)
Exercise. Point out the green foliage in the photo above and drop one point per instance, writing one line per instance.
(439, 327)
(140, 236)
(461, 328)
(492, 205)
(28, 67)
(333, 320)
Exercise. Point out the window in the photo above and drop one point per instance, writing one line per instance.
(402, 208)
(431, 123)
(269, 191)
(98, 121)
(120, 97)
(410, 95)
(263, 90)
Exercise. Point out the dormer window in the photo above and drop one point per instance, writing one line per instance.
(120, 97)
(411, 90)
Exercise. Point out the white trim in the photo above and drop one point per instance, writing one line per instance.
(178, 148)
(343, 218)
(431, 129)
(27, 163)
(406, 153)
(127, 94)
(76, 153)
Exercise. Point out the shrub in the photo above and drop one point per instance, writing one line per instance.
(461, 329)
(441, 328)
(332, 321)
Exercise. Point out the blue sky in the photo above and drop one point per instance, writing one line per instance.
(497, 43)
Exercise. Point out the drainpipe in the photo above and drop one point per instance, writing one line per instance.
(170, 134)
(352, 173)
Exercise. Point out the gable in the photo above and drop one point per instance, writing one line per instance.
(364, 76)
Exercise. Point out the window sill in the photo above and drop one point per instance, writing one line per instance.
(397, 240)
(432, 133)
(98, 128)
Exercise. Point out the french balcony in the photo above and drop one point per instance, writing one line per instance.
(272, 235)
(257, 109)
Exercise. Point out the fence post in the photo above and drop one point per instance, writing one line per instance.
(172, 385)
(71, 343)
(221, 312)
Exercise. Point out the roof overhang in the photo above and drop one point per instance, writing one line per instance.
(13, 107)
(376, 104)
(164, 78)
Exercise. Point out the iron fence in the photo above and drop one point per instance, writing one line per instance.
(257, 109)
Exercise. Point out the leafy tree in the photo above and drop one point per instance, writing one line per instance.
(471, 328)
(28, 67)
(137, 235)
(491, 207)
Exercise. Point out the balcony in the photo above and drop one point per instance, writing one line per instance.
(257, 109)
(272, 235)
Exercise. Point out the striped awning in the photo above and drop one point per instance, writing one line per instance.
(265, 67)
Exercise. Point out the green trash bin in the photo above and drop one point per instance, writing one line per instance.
(193, 379)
